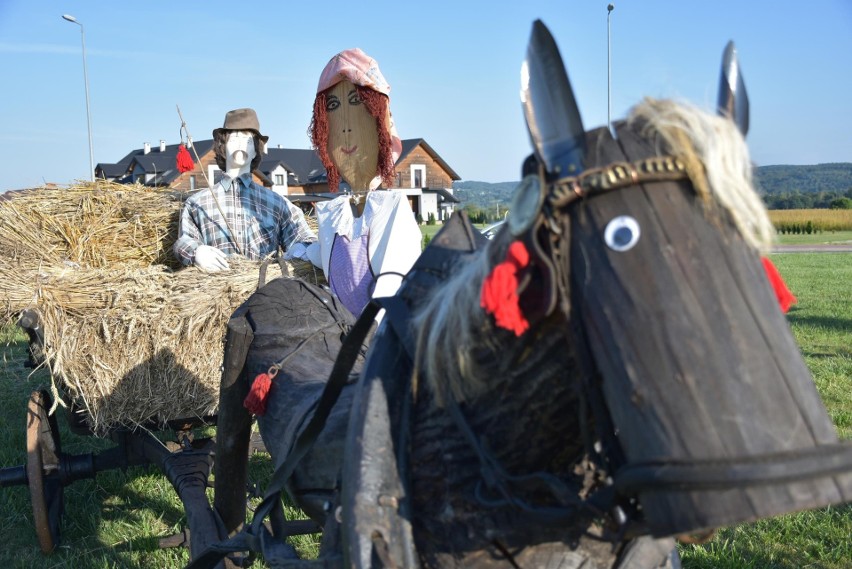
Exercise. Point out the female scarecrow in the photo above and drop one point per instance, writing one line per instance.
(364, 255)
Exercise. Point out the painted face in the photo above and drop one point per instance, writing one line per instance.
(239, 149)
(353, 140)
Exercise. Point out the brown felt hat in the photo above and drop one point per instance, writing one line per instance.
(241, 119)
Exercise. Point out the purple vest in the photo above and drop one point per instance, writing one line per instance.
(350, 275)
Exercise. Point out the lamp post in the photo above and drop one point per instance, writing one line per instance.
(609, 9)
(73, 20)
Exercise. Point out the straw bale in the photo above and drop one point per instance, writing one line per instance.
(129, 340)
(139, 346)
(102, 224)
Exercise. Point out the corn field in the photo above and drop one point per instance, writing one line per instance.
(798, 221)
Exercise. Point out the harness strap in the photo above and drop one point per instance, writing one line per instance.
(397, 313)
(254, 536)
(779, 468)
(282, 264)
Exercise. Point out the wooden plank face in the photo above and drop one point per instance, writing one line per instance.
(353, 140)
(697, 361)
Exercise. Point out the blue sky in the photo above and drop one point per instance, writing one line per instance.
(453, 67)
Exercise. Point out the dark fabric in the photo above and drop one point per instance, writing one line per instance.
(314, 320)
(305, 325)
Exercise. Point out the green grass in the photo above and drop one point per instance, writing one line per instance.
(816, 238)
(116, 520)
(822, 324)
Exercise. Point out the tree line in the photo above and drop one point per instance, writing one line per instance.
(802, 200)
(819, 186)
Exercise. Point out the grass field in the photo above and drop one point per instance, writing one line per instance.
(116, 519)
(825, 237)
(822, 325)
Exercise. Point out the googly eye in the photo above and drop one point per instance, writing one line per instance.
(621, 233)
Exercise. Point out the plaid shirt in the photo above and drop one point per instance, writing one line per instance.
(261, 221)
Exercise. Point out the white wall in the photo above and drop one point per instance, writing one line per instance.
(428, 204)
(279, 189)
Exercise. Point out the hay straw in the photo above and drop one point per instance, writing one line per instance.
(129, 341)
(99, 225)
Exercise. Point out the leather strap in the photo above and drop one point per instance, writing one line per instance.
(805, 464)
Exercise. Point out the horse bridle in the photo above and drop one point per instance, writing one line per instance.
(544, 207)
(535, 196)
(615, 176)
(539, 217)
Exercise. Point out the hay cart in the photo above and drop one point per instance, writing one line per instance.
(89, 274)
(185, 460)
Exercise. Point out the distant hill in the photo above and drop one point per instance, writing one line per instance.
(484, 194)
(835, 178)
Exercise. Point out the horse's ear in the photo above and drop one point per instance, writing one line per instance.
(530, 166)
(551, 113)
(733, 99)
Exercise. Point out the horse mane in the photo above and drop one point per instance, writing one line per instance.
(717, 159)
(453, 329)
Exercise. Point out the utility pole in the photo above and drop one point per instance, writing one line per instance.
(609, 9)
(73, 20)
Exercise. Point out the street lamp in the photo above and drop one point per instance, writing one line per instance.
(73, 20)
(609, 9)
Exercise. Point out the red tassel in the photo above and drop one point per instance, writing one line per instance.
(786, 299)
(500, 290)
(184, 160)
(255, 401)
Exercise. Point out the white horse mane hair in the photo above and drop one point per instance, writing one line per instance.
(721, 172)
(716, 143)
(450, 331)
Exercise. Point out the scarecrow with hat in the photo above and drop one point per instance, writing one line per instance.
(238, 216)
(369, 238)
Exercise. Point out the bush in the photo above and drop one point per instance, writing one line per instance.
(841, 203)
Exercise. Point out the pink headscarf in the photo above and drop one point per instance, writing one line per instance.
(360, 69)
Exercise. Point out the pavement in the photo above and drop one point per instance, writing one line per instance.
(815, 248)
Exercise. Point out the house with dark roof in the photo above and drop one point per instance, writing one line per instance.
(298, 174)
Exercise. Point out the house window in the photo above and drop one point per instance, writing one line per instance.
(192, 183)
(418, 176)
(279, 179)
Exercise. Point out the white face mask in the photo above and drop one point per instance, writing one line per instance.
(239, 150)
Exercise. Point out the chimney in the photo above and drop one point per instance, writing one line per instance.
(146, 148)
(279, 146)
(162, 146)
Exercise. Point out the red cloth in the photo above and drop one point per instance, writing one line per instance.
(499, 294)
(255, 401)
(184, 160)
(782, 293)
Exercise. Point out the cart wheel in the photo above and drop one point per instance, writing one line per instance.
(43, 450)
